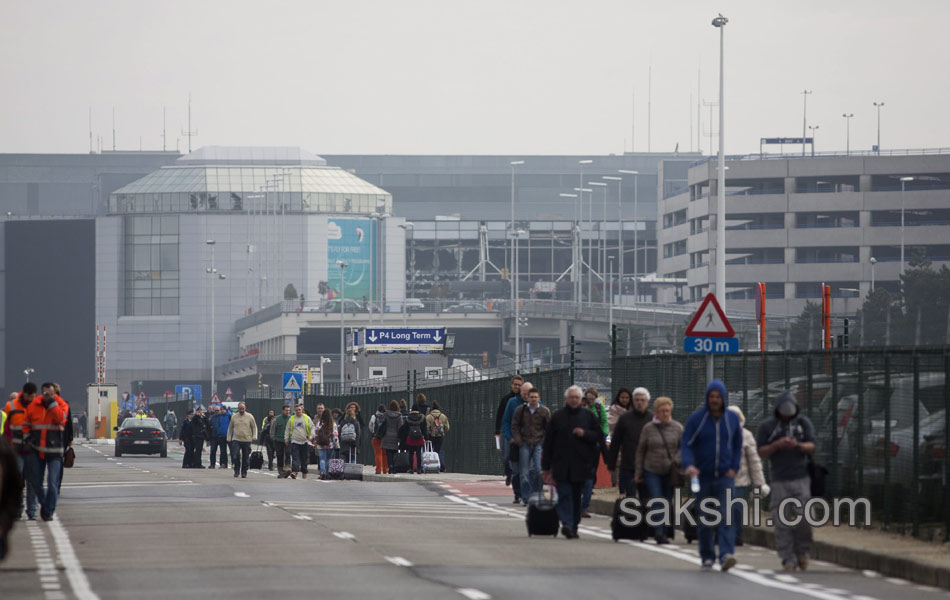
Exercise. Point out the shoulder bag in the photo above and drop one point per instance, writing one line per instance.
(676, 470)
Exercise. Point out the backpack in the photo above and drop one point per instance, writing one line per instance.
(438, 427)
(415, 431)
(324, 435)
(348, 433)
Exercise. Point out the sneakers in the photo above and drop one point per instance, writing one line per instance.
(46, 516)
(508, 480)
(728, 561)
(803, 562)
(210, 466)
(585, 514)
(569, 533)
(293, 476)
(235, 473)
(517, 500)
(788, 565)
(707, 565)
(662, 540)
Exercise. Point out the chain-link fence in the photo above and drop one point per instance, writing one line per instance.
(882, 417)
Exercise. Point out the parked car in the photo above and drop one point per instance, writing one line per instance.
(467, 307)
(410, 305)
(141, 436)
(350, 306)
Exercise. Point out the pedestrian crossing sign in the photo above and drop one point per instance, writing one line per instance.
(292, 382)
(710, 321)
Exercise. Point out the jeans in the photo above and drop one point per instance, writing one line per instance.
(325, 455)
(300, 457)
(587, 494)
(390, 460)
(415, 458)
(658, 486)
(437, 448)
(510, 468)
(30, 492)
(569, 503)
(281, 449)
(220, 442)
(530, 464)
(240, 456)
(740, 492)
(271, 452)
(715, 487)
(53, 468)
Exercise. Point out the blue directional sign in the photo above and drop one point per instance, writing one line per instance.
(292, 382)
(188, 392)
(711, 345)
(418, 340)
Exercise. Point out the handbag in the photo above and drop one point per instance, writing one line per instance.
(69, 458)
(676, 472)
(818, 474)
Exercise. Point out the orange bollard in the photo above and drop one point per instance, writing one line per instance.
(603, 475)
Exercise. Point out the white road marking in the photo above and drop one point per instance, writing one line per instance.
(242, 495)
(398, 561)
(787, 578)
(303, 517)
(69, 560)
(129, 485)
(344, 535)
(896, 581)
(869, 573)
(473, 594)
(926, 588)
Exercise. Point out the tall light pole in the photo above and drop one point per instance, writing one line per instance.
(580, 242)
(878, 106)
(601, 243)
(636, 240)
(343, 265)
(573, 249)
(517, 272)
(873, 262)
(814, 134)
(619, 181)
(805, 94)
(578, 215)
(511, 226)
(405, 227)
(27, 372)
(720, 22)
(610, 298)
(904, 181)
(847, 144)
(214, 277)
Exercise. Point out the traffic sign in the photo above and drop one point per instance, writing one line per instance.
(214, 399)
(711, 345)
(228, 393)
(710, 321)
(419, 340)
(188, 392)
(292, 382)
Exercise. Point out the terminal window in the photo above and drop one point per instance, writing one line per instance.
(150, 270)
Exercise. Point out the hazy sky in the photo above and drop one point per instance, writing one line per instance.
(485, 77)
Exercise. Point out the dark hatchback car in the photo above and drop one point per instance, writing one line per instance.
(141, 436)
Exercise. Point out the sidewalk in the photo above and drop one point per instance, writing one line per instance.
(889, 554)
(369, 474)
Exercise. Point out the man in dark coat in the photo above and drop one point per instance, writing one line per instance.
(624, 442)
(516, 382)
(184, 438)
(200, 431)
(570, 455)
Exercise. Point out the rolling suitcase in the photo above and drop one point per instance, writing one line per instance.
(353, 471)
(256, 460)
(621, 531)
(541, 517)
(430, 460)
(335, 467)
(401, 462)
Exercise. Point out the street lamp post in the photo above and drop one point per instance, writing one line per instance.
(873, 262)
(720, 23)
(878, 106)
(578, 215)
(814, 136)
(405, 227)
(904, 181)
(610, 298)
(636, 240)
(213, 273)
(847, 119)
(805, 94)
(343, 265)
(517, 272)
(601, 245)
(511, 226)
(579, 208)
(27, 372)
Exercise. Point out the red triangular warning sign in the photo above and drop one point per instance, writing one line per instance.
(710, 321)
(215, 399)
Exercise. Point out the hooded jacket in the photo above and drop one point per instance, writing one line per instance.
(220, 423)
(415, 419)
(787, 465)
(392, 422)
(712, 445)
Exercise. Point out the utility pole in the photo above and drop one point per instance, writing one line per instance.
(189, 133)
(805, 94)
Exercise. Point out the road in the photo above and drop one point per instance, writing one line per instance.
(142, 527)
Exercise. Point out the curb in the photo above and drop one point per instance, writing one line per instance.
(853, 558)
(429, 478)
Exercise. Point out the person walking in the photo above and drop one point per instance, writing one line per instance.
(787, 440)
(185, 440)
(200, 431)
(242, 431)
(389, 434)
(624, 443)
(403, 408)
(265, 439)
(356, 410)
(171, 424)
(593, 403)
(658, 455)
(711, 451)
(501, 440)
(437, 425)
(420, 406)
(350, 432)
(569, 456)
(376, 429)
(43, 432)
(750, 473)
(412, 436)
(622, 403)
(15, 410)
(298, 436)
(220, 424)
(11, 489)
(278, 430)
(327, 438)
(514, 455)
(528, 427)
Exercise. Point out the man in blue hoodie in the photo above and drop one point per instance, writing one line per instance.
(712, 450)
(508, 436)
(219, 429)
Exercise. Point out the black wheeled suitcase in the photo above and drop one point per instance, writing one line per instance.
(256, 460)
(401, 461)
(541, 517)
(621, 531)
(353, 471)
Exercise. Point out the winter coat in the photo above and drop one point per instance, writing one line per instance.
(356, 425)
(420, 407)
(613, 415)
(601, 413)
(500, 413)
(529, 428)
(278, 428)
(652, 454)
(750, 470)
(375, 423)
(242, 428)
(792, 464)
(201, 428)
(626, 438)
(415, 419)
(568, 457)
(714, 446)
(391, 423)
(220, 423)
(430, 423)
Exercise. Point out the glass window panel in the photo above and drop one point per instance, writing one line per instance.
(169, 306)
(170, 225)
(142, 258)
(169, 257)
(141, 306)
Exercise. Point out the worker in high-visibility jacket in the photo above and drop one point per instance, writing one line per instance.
(15, 411)
(44, 433)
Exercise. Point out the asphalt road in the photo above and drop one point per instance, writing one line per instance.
(141, 527)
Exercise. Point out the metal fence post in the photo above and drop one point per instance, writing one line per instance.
(835, 467)
(573, 362)
(886, 446)
(946, 446)
(788, 379)
(915, 482)
(765, 386)
(745, 382)
(810, 381)
(859, 430)
(613, 342)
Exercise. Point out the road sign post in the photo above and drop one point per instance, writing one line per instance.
(709, 331)
(292, 382)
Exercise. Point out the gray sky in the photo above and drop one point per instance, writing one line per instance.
(486, 77)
